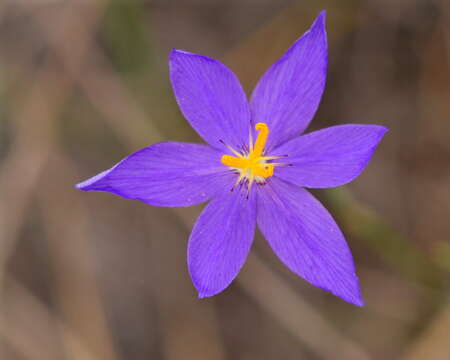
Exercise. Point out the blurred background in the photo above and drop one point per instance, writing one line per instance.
(91, 276)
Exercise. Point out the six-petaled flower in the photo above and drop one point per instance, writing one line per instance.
(255, 168)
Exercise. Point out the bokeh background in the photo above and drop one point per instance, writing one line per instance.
(91, 276)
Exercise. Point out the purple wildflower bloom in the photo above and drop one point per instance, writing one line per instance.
(266, 173)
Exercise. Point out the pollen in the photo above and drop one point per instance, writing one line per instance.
(252, 166)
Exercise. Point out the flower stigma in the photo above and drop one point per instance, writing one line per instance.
(252, 165)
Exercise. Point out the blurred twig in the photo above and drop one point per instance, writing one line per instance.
(101, 85)
(66, 224)
(365, 224)
(32, 330)
(433, 342)
(276, 297)
(33, 140)
(84, 313)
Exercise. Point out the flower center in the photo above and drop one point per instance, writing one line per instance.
(252, 166)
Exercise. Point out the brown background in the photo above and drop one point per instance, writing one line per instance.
(93, 276)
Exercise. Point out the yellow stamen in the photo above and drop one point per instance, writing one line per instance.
(240, 162)
(253, 166)
(260, 140)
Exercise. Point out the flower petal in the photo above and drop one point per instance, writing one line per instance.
(220, 241)
(330, 157)
(288, 95)
(211, 98)
(306, 239)
(166, 174)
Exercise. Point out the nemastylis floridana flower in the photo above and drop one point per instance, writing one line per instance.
(254, 169)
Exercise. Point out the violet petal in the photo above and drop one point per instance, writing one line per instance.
(166, 174)
(306, 239)
(220, 241)
(288, 95)
(211, 99)
(330, 157)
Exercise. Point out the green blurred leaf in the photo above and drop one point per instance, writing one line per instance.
(126, 35)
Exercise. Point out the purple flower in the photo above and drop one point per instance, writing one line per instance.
(254, 169)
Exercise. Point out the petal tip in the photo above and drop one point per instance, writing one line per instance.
(174, 53)
(381, 131)
(320, 20)
(322, 15)
(79, 186)
(203, 290)
(178, 51)
(202, 295)
(353, 296)
(357, 301)
(84, 185)
(360, 302)
(177, 57)
(350, 296)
